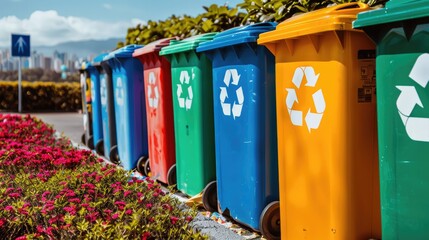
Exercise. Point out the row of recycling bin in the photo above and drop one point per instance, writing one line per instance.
(265, 112)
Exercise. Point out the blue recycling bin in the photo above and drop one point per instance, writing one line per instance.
(107, 107)
(97, 126)
(245, 127)
(130, 110)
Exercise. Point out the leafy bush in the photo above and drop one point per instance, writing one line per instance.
(50, 190)
(41, 96)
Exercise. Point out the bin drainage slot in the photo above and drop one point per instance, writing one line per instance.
(187, 130)
(350, 6)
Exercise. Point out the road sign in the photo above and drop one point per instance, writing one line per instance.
(20, 45)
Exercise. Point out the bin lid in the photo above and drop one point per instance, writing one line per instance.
(123, 52)
(394, 11)
(237, 35)
(154, 46)
(339, 17)
(98, 59)
(187, 44)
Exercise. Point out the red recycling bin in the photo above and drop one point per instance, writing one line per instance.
(159, 107)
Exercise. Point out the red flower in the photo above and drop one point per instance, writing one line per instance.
(21, 238)
(145, 236)
(174, 219)
(14, 195)
(115, 216)
(2, 221)
(129, 212)
(126, 193)
(8, 208)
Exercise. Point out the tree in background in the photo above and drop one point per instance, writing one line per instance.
(219, 18)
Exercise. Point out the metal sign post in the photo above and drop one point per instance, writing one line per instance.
(20, 48)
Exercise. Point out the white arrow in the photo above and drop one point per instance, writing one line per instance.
(419, 73)
(240, 95)
(319, 101)
(296, 117)
(155, 101)
(235, 76)
(184, 77)
(179, 90)
(152, 78)
(226, 108)
(236, 110)
(189, 98)
(417, 129)
(149, 92)
(190, 93)
(227, 77)
(311, 77)
(297, 77)
(181, 100)
(291, 97)
(313, 120)
(407, 99)
(223, 94)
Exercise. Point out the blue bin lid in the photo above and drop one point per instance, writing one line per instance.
(124, 52)
(98, 59)
(237, 35)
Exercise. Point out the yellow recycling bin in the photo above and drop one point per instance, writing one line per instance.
(326, 123)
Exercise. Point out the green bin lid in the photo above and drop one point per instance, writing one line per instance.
(187, 44)
(394, 11)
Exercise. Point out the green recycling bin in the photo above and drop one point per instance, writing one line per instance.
(191, 75)
(401, 32)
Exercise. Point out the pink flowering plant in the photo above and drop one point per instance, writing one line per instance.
(50, 190)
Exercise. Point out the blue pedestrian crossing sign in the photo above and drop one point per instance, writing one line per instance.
(20, 45)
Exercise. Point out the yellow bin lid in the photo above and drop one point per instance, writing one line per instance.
(336, 18)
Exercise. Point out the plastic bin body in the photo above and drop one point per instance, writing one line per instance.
(130, 111)
(245, 122)
(107, 108)
(159, 106)
(85, 83)
(97, 125)
(326, 121)
(191, 75)
(401, 31)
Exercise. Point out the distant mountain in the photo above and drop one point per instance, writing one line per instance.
(80, 48)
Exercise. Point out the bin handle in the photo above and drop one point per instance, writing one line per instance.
(352, 5)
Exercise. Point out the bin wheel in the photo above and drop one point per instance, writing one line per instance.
(171, 176)
(90, 143)
(210, 197)
(113, 155)
(141, 164)
(99, 147)
(83, 138)
(270, 221)
(147, 168)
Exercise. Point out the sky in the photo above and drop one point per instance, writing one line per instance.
(50, 22)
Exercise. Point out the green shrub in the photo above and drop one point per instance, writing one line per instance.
(41, 96)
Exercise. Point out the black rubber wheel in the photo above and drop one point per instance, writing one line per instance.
(270, 221)
(141, 164)
(99, 147)
(113, 155)
(171, 176)
(210, 197)
(147, 168)
(90, 143)
(83, 138)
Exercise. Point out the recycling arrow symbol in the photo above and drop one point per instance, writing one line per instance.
(417, 128)
(103, 96)
(185, 79)
(153, 100)
(312, 119)
(231, 77)
(119, 92)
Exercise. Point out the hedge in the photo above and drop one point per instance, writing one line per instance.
(41, 96)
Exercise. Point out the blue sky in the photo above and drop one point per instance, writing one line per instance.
(53, 21)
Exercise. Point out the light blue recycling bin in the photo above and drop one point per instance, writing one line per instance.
(245, 127)
(130, 110)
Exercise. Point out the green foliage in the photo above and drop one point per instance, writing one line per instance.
(214, 19)
(41, 96)
(280, 10)
(38, 74)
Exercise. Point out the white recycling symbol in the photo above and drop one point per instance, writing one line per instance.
(417, 128)
(119, 92)
(312, 119)
(103, 96)
(93, 91)
(153, 98)
(185, 79)
(231, 74)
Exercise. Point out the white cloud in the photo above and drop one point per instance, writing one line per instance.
(107, 6)
(49, 28)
